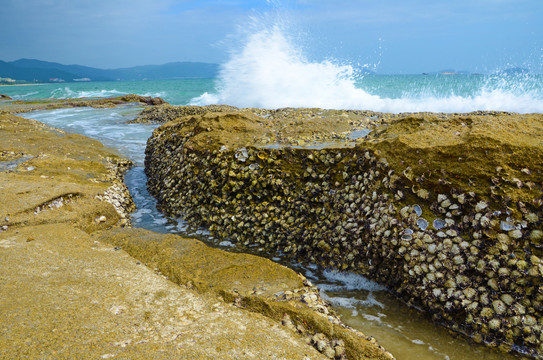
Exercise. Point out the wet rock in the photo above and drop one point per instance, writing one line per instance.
(143, 99)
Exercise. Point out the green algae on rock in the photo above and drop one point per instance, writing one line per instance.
(445, 209)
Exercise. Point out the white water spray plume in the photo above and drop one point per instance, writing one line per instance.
(270, 71)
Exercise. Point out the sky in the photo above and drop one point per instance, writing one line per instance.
(389, 36)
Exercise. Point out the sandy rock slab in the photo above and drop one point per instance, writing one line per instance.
(63, 295)
(47, 175)
(251, 283)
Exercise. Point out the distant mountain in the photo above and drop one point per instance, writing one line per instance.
(43, 71)
(8, 70)
(174, 70)
(77, 71)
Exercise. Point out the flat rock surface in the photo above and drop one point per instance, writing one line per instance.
(64, 295)
(470, 151)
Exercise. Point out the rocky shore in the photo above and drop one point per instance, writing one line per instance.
(78, 282)
(7, 105)
(444, 209)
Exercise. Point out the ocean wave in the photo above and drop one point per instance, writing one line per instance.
(24, 96)
(269, 71)
(67, 93)
(161, 94)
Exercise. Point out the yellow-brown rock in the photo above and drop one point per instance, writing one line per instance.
(74, 279)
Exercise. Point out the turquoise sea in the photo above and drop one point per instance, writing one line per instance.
(521, 93)
(269, 69)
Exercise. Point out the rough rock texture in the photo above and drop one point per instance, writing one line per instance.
(66, 296)
(68, 290)
(251, 283)
(44, 169)
(167, 112)
(445, 209)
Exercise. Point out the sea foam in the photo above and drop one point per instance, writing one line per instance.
(68, 93)
(349, 281)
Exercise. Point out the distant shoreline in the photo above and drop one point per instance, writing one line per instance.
(22, 84)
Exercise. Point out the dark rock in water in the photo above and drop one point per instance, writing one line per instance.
(293, 181)
(5, 97)
(143, 99)
(19, 106)
(167, 112)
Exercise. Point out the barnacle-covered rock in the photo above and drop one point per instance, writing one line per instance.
(166, 112)
(435, 206)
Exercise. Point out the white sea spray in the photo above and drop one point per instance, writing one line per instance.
(270, 70)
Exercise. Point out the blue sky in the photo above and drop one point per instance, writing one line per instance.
(410, 36)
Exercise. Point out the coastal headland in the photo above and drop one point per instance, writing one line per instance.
(446, 210)
(77, 281)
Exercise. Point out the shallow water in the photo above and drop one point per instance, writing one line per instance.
(13, 164)
(363, 304)
(174, 91)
